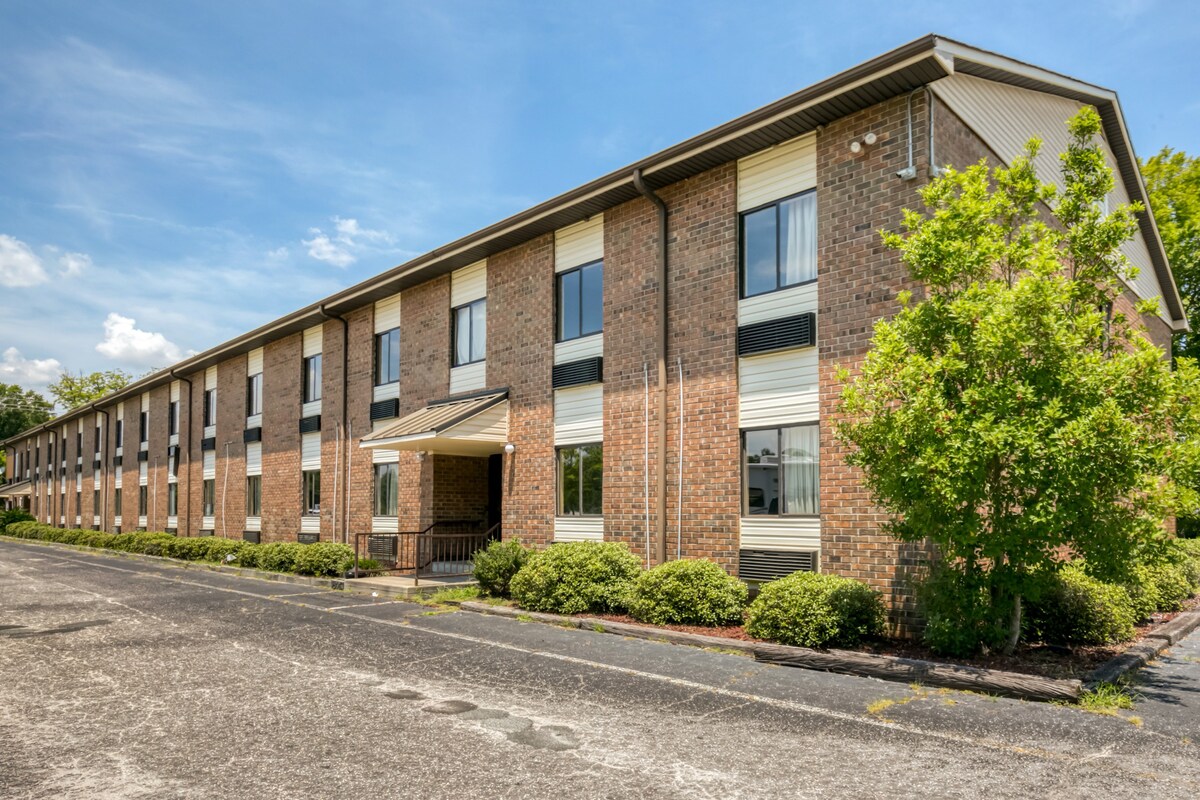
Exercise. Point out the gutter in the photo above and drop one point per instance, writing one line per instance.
(660, 391)
(174, 374)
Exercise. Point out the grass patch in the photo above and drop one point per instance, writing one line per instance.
(524, 618)
(1106, 699)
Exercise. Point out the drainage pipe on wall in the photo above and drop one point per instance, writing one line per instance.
(337, 465)
(660, 465)
(188, 518)
(679, 494)
(345, 424)
(646, 454)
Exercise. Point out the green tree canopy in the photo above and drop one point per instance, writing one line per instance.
(20, 409)
(1014, 414)
(1173, 181)
(72, 391)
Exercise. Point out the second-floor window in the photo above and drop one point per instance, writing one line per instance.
(210, 407)
(387, 357)
(144, 427)
(120, 432)
(312, 379)
(470, 332)
(580, 301)
(254, 395)
(173, 418)
(97, 450)
(779, 245)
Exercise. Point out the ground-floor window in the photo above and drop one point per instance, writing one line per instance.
(117, 502)
(95, 501)
(172, 499)
(310, 481)
(208, 494)
(78, 502)
(780, 470)
(386, 490)
(254, 496)
(143, 500)
(581, 480)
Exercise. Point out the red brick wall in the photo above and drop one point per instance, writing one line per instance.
(424, 377)
(229, 508)
(459, 488)
(282, 369)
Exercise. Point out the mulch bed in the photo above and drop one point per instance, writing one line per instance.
(1049, 661)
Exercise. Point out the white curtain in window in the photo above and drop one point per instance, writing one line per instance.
(800, 470)
(799, 239)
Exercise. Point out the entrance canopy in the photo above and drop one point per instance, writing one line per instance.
(18, 489)
(469, 426)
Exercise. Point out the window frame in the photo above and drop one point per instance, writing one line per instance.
(558, 278)
(143, 427)
(208, 497)
(394, 469)
(143, 499)
(120, 432)
(172, 499)
(254, 496)
(454, 362)
(742, 247)
(310, 382)
(745, 502)
(558, 487)
(99, 439)
(379, 337)
(210, 407)
(173, 418)
(117, 502)
(306, 508)
(254, 386)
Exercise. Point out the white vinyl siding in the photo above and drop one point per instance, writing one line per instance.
(117, 473)
(468, 283)
(310, 451)
(313, 341)
(576, 349)
(210, 465)
(143, 473)
(310, 524)
(254, 361)
(1006, 117)
(385, 524)
(468, 378)
(254, 458)
(777, 305)
(145, 401)
(780, 171)
(210, 382)
(581, 243)
(387, 391)
(579, 415)
(781, 533)
(381, 455)
(387, 313)
(778, 388)
(578, 529)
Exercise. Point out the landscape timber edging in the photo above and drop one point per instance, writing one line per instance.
(891, 668)
(1142, 653)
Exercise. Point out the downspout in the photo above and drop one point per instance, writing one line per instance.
(103, 470)
(189, 451)
(345, 412)
(660, 466)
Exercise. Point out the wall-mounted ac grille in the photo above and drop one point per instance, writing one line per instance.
(778, 334)
(385, 409)
(767, 565)
(308, 538)
(143, 455)
(96, 464)
(382, 547)
(252, 435)
(117, 461)
(578, 373)
(310, 424)
(251, 536)
(208, 444)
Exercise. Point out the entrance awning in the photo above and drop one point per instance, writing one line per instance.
(469, 426)
(18, 489)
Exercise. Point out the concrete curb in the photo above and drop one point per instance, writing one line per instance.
(1141, 654)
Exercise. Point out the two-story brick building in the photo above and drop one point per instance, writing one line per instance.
(648, 358)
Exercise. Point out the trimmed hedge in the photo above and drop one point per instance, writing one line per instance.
(322, 559)
(688, 592)
(1076, 608)
(809, 609)
(575, 577)
(14, 515)
(496, 564)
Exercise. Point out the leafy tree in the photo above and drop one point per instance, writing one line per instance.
(72, 391)
(1173, 181)
(1014, 414)
(20, 409)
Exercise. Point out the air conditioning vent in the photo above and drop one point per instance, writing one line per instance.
(117, 461)
(778, 334)
(208, 444)
(385, 409)
(310, 424)
(767, 565)
(308, 538)
(578, 373)
(252, 435)
(143, 455)
(96, 464)
(382, 548)
(251, 536)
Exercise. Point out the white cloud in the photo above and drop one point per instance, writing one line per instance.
(28, 373)
(124, 342)
(73, 264)
(19, 266)
(322, 248)
(349, 241)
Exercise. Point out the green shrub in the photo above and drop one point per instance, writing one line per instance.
(959, 612)
(1172, 583)
(218, 550)
(186, 548)
(278, 556)
(574, 577)
(28, 529)
(369, 565)
(324, 559)
(1143, 592)
(150, 543)
(809, 609)
(14, 515)
(1186, 554)
(496, 564)
(688, 592)
(94, 539)
(1079, 609)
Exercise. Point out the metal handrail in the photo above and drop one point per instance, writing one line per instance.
(428, 546)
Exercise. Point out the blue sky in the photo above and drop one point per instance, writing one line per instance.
(173, 174)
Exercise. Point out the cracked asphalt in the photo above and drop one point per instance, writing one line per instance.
(124, 679)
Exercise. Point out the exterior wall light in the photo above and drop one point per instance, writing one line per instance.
(510, 448)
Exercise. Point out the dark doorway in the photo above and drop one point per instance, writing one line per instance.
(495, 475)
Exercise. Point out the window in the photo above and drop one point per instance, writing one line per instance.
(580, 301)
(470, 332)
(95, 501)
(254, 496)
(173, 464)
(387, 357)
(172, 499)
(120, 432)
(97, 450)
(312, 379)
(210, 407)
(78, 502)
(144, 426)
(310, 482)
(781, 486)
(580, 480)
(386, 489)
(173, 418)
(79, 443)
(254, 395)
(117, 502)
(208, 496)
(143, 496)
(779, 245)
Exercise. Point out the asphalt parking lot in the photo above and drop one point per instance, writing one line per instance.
(122, 679)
